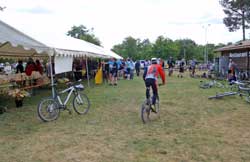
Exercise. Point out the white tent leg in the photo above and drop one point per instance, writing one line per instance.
(87, 69)
(51, 77)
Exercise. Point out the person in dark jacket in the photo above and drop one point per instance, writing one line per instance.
(20, 68)
(137, 67)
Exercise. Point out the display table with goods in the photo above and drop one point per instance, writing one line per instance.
(17, 85)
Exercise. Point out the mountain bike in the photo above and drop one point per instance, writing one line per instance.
(210, 84)
(49, 108)
(147, 111)
(237, 88)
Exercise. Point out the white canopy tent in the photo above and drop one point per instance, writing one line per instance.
(14, 43)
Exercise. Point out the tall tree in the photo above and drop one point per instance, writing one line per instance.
(164, 48)
(145, 49)
(238, 15)
(128, 48)
(2, 8)
(81, 32)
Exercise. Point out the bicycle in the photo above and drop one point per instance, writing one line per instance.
(49, 108)
(210, 84)
(237, 88)
(146, 109)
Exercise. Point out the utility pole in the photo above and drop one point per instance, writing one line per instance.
(184, 50)
(206, 42)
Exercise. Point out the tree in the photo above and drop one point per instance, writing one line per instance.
(164, 48)
(2, 8)
(81, 32)
(238, 15)
(145, 49)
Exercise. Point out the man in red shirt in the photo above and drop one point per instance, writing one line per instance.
(150, 77)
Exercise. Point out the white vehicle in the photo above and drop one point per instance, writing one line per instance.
(142, 62)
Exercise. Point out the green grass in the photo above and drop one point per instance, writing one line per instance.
(190, 127)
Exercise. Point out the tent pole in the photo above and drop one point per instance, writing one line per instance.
(87, 69)
(51, 77)
(248, 63)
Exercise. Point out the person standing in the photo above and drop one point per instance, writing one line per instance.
(19, 67)
(170, 66)
(137, 67)
(114, 72)
(39, 67)
(128, 65)
(132, 69)
(181, 68)
(162, 63)
(7, 68)
(110, 64)
(192, 67)
(30, 67)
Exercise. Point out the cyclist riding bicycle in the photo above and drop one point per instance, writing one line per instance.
(150, 76)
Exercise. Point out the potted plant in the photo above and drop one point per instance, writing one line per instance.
(19, 96)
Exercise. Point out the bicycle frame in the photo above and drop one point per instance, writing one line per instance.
(70, 90)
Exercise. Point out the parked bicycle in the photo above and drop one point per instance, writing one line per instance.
(147, 109)
(49, 108)
(237, 88)
(210, 84)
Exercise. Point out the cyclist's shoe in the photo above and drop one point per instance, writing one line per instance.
(153, 108)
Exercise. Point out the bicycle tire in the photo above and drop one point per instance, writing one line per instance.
(219, 85)
(145, 112)
(157, 105)
(80, 102)
(52, 109)
(221, 95)
(247, 99)
(205, 86)
(215, 97)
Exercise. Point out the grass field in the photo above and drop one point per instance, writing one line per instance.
(190, 127)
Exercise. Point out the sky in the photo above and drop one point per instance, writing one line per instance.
(114, 20)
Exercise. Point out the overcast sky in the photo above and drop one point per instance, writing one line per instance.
(113, 20)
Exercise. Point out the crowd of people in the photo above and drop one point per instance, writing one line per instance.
(21, 67)
(114, 69)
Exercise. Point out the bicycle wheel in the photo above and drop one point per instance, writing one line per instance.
(81, 103)
(157, 105)
(48, 110)
(219, 85)
(247, 99)
(204, 85)
(145, 112)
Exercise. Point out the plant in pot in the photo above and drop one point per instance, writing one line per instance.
(19, 96)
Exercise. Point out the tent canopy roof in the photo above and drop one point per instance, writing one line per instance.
(15, 43)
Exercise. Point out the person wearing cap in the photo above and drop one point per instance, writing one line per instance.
(150, 76)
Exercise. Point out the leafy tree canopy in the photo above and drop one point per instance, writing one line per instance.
(238, 14)
(81, 32)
